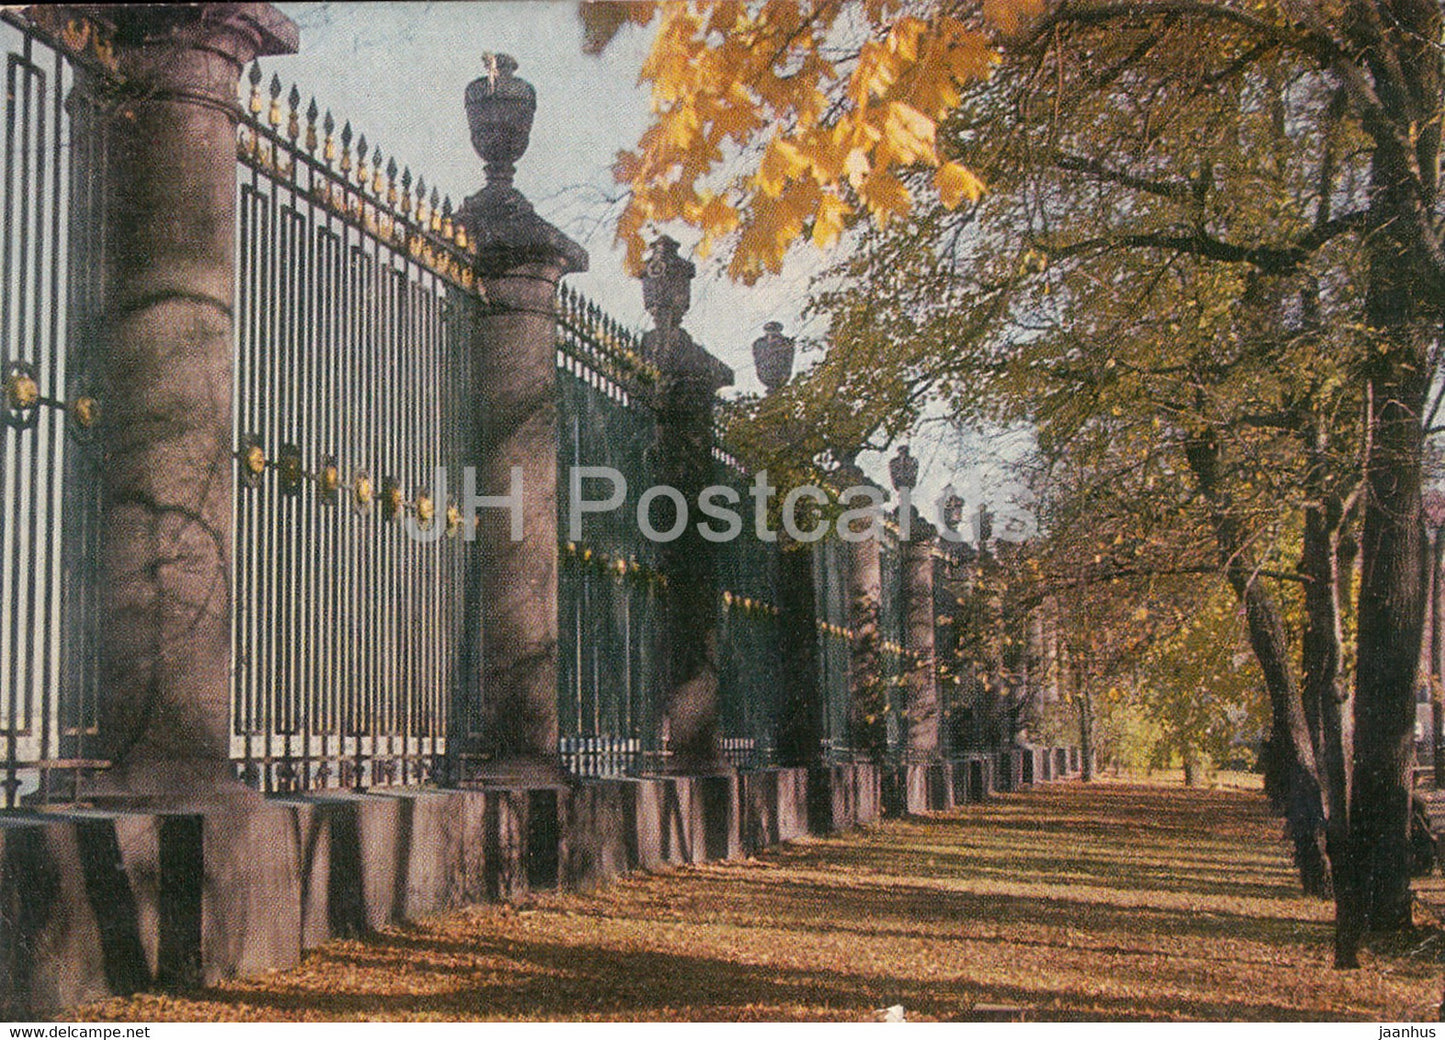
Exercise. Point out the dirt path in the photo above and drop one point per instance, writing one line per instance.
(1105, 901)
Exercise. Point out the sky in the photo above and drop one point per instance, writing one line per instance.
(397, 71)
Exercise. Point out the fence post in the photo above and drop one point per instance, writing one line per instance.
(689, 379)
(918, 634)
(869, 734)
(167, 478)
(916, 547)
(800, 723)
(513, 584)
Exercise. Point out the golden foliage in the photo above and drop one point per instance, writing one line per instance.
(831, 100)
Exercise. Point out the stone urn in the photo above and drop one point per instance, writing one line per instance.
(903, 470)
(667, 283)
(952, 511)
(773, 356)
(500, 109)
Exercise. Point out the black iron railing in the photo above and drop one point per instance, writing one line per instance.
(52, 243)
(356, 304)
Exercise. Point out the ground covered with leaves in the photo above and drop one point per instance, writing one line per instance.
(1102, 901)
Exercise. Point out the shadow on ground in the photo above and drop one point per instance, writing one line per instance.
(1107, 901)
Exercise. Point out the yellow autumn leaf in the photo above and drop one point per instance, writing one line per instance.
(909, 133)
(885, 195)
(781, 164)
(1006, 14)
(828, 222)
(956, 183)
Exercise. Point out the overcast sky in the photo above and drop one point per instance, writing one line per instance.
(397, 71)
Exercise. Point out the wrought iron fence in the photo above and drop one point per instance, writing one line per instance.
(609, 591)
(835, 640)
(355, 305)
(750, 664)
(356, 308)
(52, 243)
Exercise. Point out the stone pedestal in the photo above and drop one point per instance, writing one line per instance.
(511, 683)
(689, 379)
(918, 634)
(515, 582)
(166, 390)
(865, 673)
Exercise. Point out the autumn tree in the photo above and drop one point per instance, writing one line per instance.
(1083, 296)
(787, 121)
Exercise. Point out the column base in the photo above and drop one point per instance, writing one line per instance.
(527, 771)
(184, 785)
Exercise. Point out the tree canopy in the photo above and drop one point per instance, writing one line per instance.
(1207, 270)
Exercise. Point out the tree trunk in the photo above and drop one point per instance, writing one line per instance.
(1437, 631)
(1391, 619)
(1324, 695)
(1086, 733)
(1290, 733)
(1397, 43)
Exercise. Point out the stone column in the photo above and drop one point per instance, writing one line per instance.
(689, 379)
(801, 698)
(166, 393)
(521, 258)
(918, 637)
(868, 725)
(918, 611)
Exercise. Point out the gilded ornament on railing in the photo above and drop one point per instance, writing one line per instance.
(255, 77)
(362, 493)
(328, 479)
(86, 412)
(274, 116)
(252, 459)
(293, 119)
(21, 390)
(426, 510)
(311, 114)
(345, 166)
(22, 394)
(454, 521)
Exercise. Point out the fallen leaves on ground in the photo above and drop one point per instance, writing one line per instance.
(1099, 901)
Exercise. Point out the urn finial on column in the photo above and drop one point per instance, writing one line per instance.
(903, 470)
(500, 221)
(667, 284)
(773, 356)
(951, 508)
(500, 110)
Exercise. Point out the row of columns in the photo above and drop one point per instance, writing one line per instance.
(168, 477)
